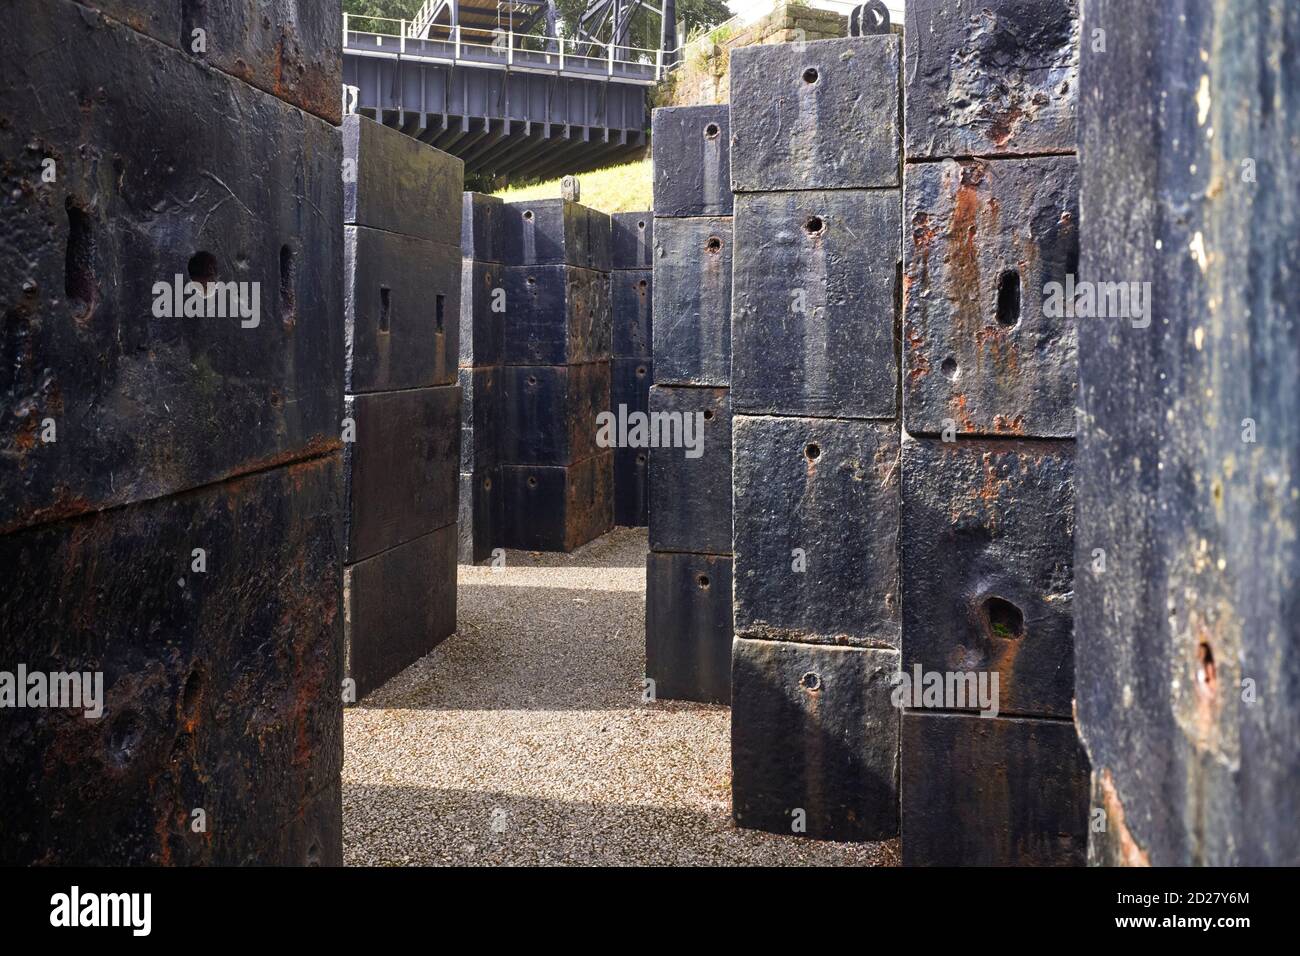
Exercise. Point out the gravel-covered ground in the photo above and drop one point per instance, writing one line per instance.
(523, 740)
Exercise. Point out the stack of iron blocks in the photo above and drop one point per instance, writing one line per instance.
(402, 268)
(815, 165)
(989, 383)
(557, 481)
(688, 571)
(482, 324)
(172, 385)
(631, 296)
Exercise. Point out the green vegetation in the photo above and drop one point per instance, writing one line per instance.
(623, 188)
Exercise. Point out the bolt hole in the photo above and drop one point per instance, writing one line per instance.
(702, 580)
(642, 285)
(713, 246)
(532, 380)
(812, 451)
(487, 483)
(1009, 298)
(528, 215)
(203, 268)
(708, 414)
(532, 482)
(385, 309)
(949, 367)
(532, 280)
(79, 275)
(1005, 619)
(711, 131)
(810, 681)
(810, 75)
(641, 224)
(190, 696)
(814, 226)
(1206, 675)
(640, 459)
(640, 371)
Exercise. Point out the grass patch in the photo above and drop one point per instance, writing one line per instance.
(622, 188)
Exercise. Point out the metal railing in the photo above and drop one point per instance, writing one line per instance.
(501, 47)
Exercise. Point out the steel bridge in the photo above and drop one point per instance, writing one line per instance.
(493, 82)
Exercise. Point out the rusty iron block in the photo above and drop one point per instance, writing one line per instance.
(480, 515)
(987, 562)
(688, 626)
(396, 183)
(690, 483)
(483, 228)
(480, 417)
(985, 350)
(400, 472)
(690, 148)
(221, 687)
(988, 77)
(398, 605)
(814, 303)
(548, 413)
(814, 740)
(115, 186)
(557, 507)
(999, 791)
(556, 232)
(816, 506)
(1187, 621)
(820, 115)
(631, 487)
(556, 315)
(292, 49)
(401, 300)
(632, 300)
(482, 313)
(691, 295)
(632, 240)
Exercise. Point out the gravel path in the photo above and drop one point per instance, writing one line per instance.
(522, 739)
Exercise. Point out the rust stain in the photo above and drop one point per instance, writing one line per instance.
(1129, 853)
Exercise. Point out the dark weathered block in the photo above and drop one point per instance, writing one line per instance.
(690, 486)
(821, 115)
(989, 77)
(398, 606)
(482, 313)
(480, 417)
(1188, 573)
(692, 299)
(400, 472)
(815, 303)
(144, 405)
(401, 300)
(813, 730)
(987, 566)
(688, 626)
(221, 688)
(992, 792)
(479, 523)
(556, 232)
(816, 524)
(631, 379)
(292, 49)
(557, 508)
(394, 182)
(483, 228)
(632, 240)
(631, 487)
(691, 147)
(986, 351)
(632, 297)
(548, 414)
(556, 315)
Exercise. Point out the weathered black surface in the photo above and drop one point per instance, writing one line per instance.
(400, 184)
(483, 228)
(556, 315)
(556, 232)
(400, 473)
(398, 605)
(632, 298)
(815, 303)
(829, 488)
(148, 406)
(222, 689)
(691, 149)
(989, 77)
(548, 414)
(482, 313)
(977, 358)
(812, 728)
(401, 298)
(289, 48)
(839, 131)
(692, 299)
(557, 508)
(1201, 588)
(992, 792)
(690, 498)
(632, 240)
(688, 626)
(480, 417)
(631, 379)
(986, 523)
(479, 521)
